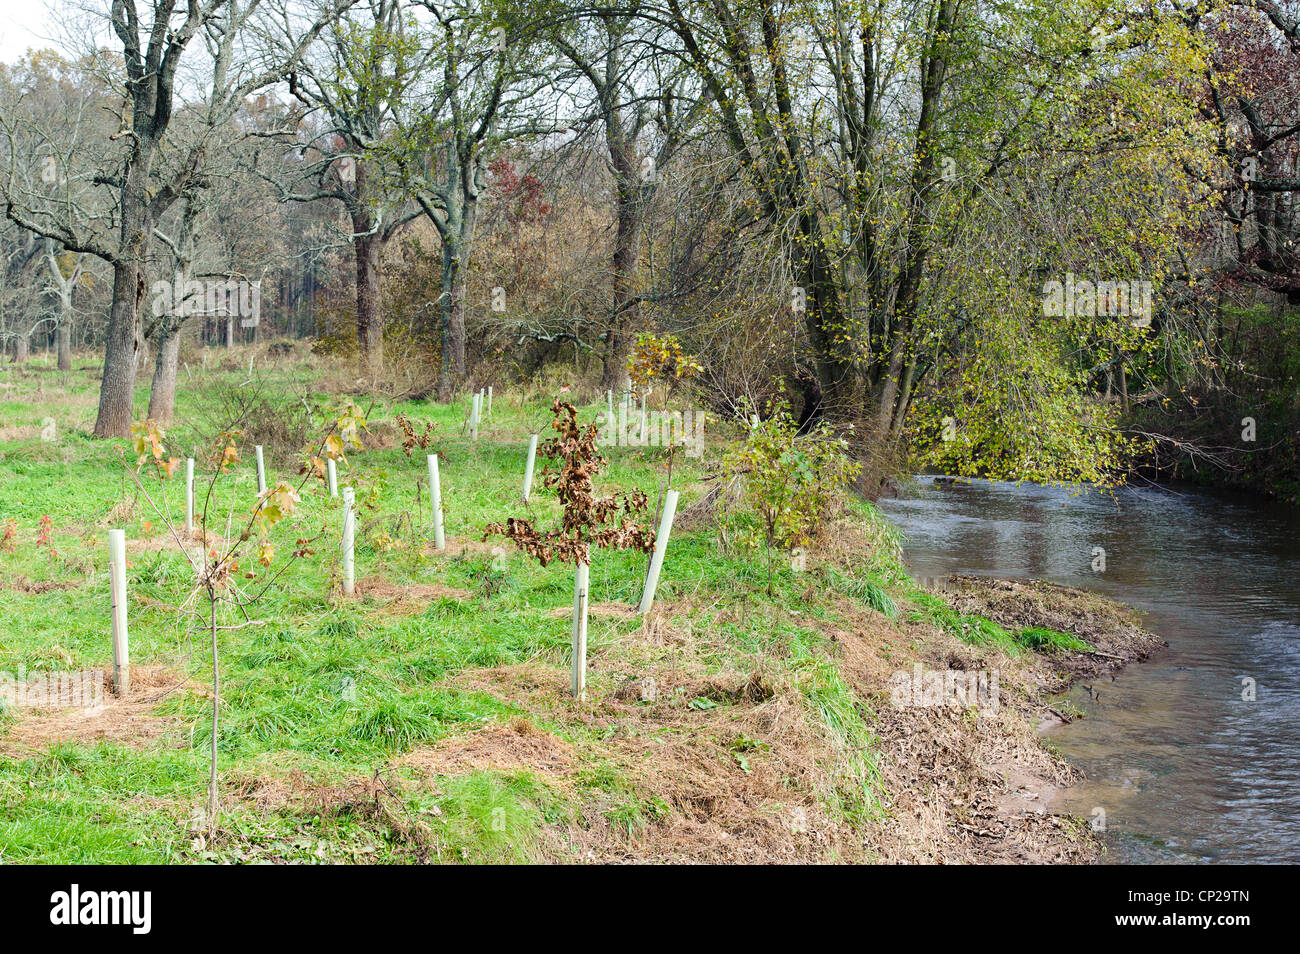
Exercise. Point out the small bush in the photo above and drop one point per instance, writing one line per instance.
(790, 483)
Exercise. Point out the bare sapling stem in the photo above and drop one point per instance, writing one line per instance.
(216, 704)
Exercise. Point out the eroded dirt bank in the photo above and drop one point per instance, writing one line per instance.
(968, 784)
(710, 763)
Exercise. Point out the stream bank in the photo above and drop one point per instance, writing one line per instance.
(1190, 757)
(976, 783)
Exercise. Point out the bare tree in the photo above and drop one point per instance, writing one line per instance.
(359, 78)
(640, 105)
(140, 181)
(66, 270)
(485, 94)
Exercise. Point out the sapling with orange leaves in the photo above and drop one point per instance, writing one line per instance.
(216, 557)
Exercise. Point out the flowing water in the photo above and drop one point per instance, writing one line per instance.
(1185, 767)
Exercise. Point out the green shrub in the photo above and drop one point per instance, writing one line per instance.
(790, 483)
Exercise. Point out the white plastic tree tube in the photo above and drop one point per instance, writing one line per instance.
(641, 436)
(349, 538)
(581, 575)
(261, 470)
(657, 559)
(435, 503)
(489, 406)
(117, 584)
(332, 472)
(528, 467)
(189, 495)
(475, 407)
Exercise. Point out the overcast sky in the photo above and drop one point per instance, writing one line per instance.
(27, 23)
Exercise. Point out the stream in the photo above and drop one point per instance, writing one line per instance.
(1184, 768)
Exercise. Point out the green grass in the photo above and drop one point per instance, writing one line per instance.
(1040, 638)
(971, 629)
(866, 589)
(338, 690)
(341, 689)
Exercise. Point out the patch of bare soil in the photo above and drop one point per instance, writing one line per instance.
(459, 547)
(506, 747)
(294, 790)
(163, 541)
(612, 610)
(971, 790)
(130, 720)
(381, 435)
(965, 783)
(375, 801)
(405, 597)
(1113, 631)
(22, 584)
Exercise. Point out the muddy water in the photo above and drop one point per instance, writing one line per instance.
(1184, 768)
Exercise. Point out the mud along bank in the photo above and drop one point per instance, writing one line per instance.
(1193, 756)
(971, 780)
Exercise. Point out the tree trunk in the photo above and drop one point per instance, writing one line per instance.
(627, 248)
(370, 323)
(63, 337)
(446, 387)
(366, 246)
(21, 349)
(118, 386)
(451, 315)
(162, 392)
(618, 345)
(466, 225)
(823, 318)
(889, 391)
(895, 393)
(456, 336)
(618, 349)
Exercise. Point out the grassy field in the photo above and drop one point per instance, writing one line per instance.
(428, 718)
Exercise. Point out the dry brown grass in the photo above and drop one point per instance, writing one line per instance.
(506, 747)
(751, 778)
(130, 720)
(742, 781)
(405, 597)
